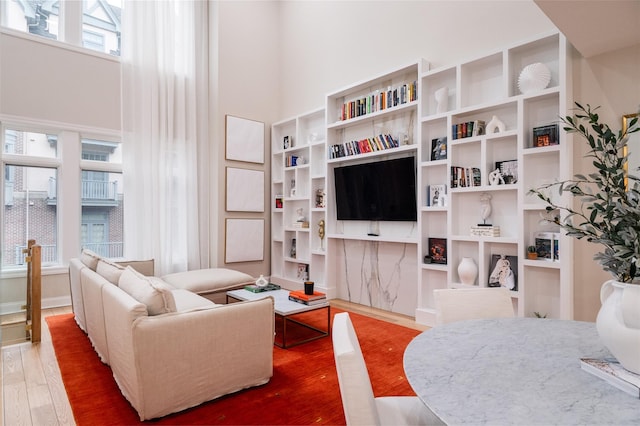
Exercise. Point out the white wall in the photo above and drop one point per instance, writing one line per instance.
(45, 81)
(326, 45)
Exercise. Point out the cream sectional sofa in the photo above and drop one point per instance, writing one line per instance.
(169, 348)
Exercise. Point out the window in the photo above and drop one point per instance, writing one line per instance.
(99, 29)
(30, 215)
(102, 198)
(35, 176)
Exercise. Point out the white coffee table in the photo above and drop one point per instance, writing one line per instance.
(286, 310)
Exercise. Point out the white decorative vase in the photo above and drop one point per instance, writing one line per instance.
(467, 271)
(618, 322)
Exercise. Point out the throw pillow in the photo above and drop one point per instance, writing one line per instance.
(109, 270)
(90, 259)
(158, 300)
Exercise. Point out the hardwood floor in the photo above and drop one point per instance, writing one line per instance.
(32, 389)
(32, 392)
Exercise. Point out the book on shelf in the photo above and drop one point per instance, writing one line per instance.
(610, 370)
(300, 224)
(439, 149)
(300, 294)
(435, 193)
(307, 302)
(463, 177)
(362, 146)
(378, 101)
(468, 129)
(508, 170)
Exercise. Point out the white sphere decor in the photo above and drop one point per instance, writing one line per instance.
(534, 77)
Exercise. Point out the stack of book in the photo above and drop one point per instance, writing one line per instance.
(316, 298)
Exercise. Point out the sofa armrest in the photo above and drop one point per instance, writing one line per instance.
(185, 359)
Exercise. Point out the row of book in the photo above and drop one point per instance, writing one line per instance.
(379, 100)
(291, 161)
(468, 129)
(300, 296)
(462, 177)
(377, 143)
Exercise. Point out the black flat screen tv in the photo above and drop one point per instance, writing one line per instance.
(382, 190)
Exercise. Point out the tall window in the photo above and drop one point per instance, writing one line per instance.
(28, 186)
(102, 198)
(99, 29)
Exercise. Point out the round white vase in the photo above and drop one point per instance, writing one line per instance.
(618, 322)
(467, 271)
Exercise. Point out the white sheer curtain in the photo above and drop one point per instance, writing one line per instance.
(164, 107)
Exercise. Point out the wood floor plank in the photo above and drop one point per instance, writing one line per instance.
(56, 386)
(12, 370)
(16, 405)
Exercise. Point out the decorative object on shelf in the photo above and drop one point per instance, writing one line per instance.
(262, 281)
(495, 125)
(427, 259)
(439, 149)
(508, 171)
(532, 253)
(292, 251)
(545, 135)
(321, 196)
(438, 250)
(300, 213)
(292, 193)
(467, 271)
(303, 271)
(435, 194)
(374, 228)
(321, 234)
(544, 245)
(534, 77)
(313, 137)
(442, 100)
(279, 201)
(286, 142)
(496, 178)
(485, 208)
(504, 272)
(611, 218)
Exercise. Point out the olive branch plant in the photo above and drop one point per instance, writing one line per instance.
(609, 211)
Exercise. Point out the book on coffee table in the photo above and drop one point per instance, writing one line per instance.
(308, 297)
(610, 370)
(255, 289)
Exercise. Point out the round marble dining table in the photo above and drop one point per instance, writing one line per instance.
(518, 371)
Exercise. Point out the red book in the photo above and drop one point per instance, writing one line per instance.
(300, 295)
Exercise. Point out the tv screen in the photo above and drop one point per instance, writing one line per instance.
(381, 190)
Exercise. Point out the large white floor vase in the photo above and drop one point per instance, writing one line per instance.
(618, 322)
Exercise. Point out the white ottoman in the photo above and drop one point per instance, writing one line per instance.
(210, 283)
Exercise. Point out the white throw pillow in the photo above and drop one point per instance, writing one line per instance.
(90, 259)
(146, 290)
(110, 271)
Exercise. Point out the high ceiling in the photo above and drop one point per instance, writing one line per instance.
(595, 26)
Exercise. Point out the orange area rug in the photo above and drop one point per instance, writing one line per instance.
(303, 390)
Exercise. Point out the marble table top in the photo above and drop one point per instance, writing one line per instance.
(515, 371)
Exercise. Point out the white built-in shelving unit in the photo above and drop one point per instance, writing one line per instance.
(478, 89)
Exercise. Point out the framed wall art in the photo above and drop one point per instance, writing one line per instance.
(244, 240)
(245, 139)
(245, 190)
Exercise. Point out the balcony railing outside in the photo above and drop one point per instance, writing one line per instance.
(91, 189)
(50, 252)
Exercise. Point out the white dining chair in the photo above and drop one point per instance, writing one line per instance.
(458, 304)
(360, 405)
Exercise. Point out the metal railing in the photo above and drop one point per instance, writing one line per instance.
(50, 252)
(91, 189)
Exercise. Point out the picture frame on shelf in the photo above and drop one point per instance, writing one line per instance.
(545, 135)
(509, 171)
(544, 243)
(438, 250)
(439, 149)
(503, 272)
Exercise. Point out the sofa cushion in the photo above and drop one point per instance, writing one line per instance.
(90, 259)
(208, 280)
(158, 298)
(188, 301)
(109, 271)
